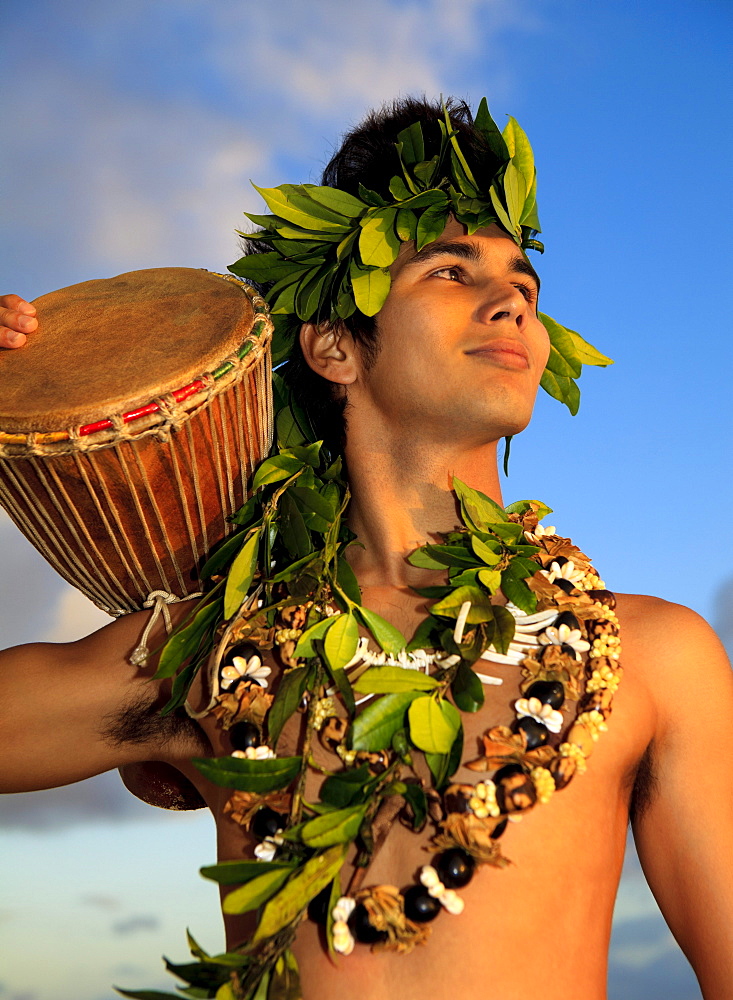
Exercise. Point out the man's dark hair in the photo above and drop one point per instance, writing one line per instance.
(367, 156)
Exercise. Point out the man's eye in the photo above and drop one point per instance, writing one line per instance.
(528, 291)
(449, 273)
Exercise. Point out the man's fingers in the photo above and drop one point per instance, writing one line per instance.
(17, 319)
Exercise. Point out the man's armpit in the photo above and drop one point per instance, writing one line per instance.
(645, 785)
(139, 723)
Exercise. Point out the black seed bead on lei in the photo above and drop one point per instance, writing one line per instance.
(244, 734)
(566, 618)
(507, 771)
(267, 822)
(455, 868)
(362, 930)
(550, 693)
(244, 649)
(499, 829)
(420, 906)
(565, 585)
(537, 734)
(318, 906)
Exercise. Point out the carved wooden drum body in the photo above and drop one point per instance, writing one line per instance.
(130, 425)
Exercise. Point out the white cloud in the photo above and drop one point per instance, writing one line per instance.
(74, 617)
(330, 57)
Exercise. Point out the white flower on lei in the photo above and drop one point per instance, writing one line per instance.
(255, 753)
(568, 571)
(245, 670)
(343, 939)
(535, 709)
(563, 635)
(539, 532)
(267, 849)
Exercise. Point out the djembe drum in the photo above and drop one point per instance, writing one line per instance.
(130, 425)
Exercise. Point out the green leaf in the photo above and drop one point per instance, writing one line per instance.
(337, 200)
(292, 203)
(284, 979)
(147, 994)
(249, 775)
(389, 638)
(516, 590)
(504, 628)
(467, 689)
(491, 579)
(386, 680)
(185, 643)
(293, 530)
(523, 506)
(588, 354)
(484, 551)
(275, 469)
(478, 509)
(304, 647)
(426, 634)
(346, 579)
(297, 893)
(430, 225)
(486, 124)
(338, 827)
(449, 607)
(406, 225)
(398, 189)
(520, 151)
(341, 641)
(255, 892)
(235, 872)
(501, 212)
(380, 720)
(202, 977)
(433, 724)
(421, 557)
(310, 499)
(417, 798)
(224, 552)
(413, 144)
(346, 787)
(371, 288)
(287, 699)
(561, 388)
(241, 575)
(378, 242)
(440, 556)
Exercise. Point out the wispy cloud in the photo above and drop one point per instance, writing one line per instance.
(134, 924)
(96, 800)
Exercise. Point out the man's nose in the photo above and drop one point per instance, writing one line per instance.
(507, 304)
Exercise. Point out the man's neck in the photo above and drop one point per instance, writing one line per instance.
(401, 498)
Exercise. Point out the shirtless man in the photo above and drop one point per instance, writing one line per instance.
(460, 355)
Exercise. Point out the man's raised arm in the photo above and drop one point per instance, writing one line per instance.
(72, 710)
(683, 822)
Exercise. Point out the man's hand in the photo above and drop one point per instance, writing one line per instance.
(17, 318)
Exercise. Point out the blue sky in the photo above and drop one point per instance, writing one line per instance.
(130, 137)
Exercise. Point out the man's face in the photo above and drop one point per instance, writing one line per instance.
(461, 348)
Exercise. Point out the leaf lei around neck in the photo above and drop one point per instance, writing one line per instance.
(330, 251)
(276, 583)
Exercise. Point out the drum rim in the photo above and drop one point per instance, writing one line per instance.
(18, 444)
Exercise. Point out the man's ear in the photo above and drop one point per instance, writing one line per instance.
(330, 351)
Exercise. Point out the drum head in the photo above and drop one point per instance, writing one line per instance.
(111, 345)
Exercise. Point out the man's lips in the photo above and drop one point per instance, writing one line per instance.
(506, 352)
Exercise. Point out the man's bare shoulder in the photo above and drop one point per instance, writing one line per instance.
(673, 652)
